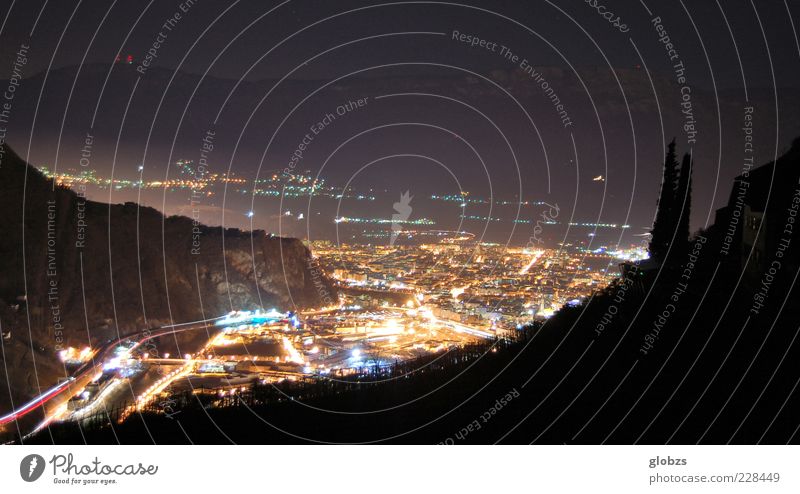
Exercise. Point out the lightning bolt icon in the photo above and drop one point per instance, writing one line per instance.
(32, 466)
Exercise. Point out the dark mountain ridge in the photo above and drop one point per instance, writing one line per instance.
(77, 272)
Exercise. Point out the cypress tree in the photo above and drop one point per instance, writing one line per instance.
(665, 222)
(683, 196)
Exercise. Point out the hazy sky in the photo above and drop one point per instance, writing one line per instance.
(486, 123)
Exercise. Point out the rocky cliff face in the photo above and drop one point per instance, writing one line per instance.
(75, 272)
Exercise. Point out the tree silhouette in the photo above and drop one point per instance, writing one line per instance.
(666, 220)
(683, 201)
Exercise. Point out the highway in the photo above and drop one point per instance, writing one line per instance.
(455, 325)
(53, 402)
(62, 392)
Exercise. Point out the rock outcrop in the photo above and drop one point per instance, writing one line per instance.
(75, 272)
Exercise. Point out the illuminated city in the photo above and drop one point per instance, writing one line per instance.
(431, 292)
(395, 304)
(408, 223)
(487, 285)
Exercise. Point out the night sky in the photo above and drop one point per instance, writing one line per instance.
(440, 116)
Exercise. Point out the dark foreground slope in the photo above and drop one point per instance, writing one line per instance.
(76, 271)
(703, 350)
